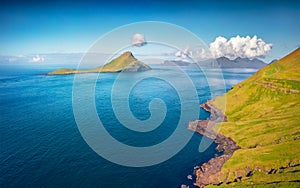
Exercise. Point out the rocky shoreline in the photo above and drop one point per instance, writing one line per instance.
(209, 173)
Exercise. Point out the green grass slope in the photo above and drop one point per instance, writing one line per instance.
(119, 63)
(263, 114)
(125, 62)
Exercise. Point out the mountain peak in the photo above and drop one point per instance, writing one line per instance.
(124, 63)
(239, 62)
(127, 54)
(240, 58)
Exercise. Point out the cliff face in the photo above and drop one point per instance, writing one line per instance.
(136, 66)
(260, 135)
(124, 63)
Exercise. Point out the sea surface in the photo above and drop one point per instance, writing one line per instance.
(41, 145)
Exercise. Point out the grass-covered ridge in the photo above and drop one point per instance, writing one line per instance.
(263, 114)
(125, 62)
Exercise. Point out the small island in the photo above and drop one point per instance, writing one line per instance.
(124, 63)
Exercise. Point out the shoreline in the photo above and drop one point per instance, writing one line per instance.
(209, 172)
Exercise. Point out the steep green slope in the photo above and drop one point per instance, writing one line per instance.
(119, 63)
(125, 62)
(263, 117)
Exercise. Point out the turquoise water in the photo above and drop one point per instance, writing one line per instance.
(41, 145)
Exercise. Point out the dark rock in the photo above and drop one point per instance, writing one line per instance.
(272, 171)
(209, 172)
(248, 172)
(136, 66)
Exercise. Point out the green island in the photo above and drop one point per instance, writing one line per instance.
(263, 118)
(124, 63)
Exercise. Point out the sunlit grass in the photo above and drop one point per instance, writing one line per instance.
(263, 114)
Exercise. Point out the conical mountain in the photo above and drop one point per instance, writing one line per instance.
(124, 63)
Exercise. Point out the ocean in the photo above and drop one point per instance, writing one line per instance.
(41, 139)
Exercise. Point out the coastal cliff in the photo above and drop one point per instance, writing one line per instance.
(260, 133)
(208, 172)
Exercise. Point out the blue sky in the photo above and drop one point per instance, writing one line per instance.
(33, 27)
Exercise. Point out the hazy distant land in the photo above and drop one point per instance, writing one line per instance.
(221, 62)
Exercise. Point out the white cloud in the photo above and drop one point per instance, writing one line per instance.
(138, 40)
(244, 47)
(184, 54)
(37, 59)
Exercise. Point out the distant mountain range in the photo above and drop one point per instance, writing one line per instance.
(255, 63)
(221, 62)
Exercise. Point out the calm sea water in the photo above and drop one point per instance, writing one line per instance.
(41, 145)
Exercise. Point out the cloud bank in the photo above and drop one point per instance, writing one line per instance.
(138, 40)
(22, 58)
(243, 47)
(183, 54)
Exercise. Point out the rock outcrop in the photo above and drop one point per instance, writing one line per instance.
(209, 172)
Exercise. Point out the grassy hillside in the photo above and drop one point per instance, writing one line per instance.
(263, 114)
(125, 62)
(119, 63)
